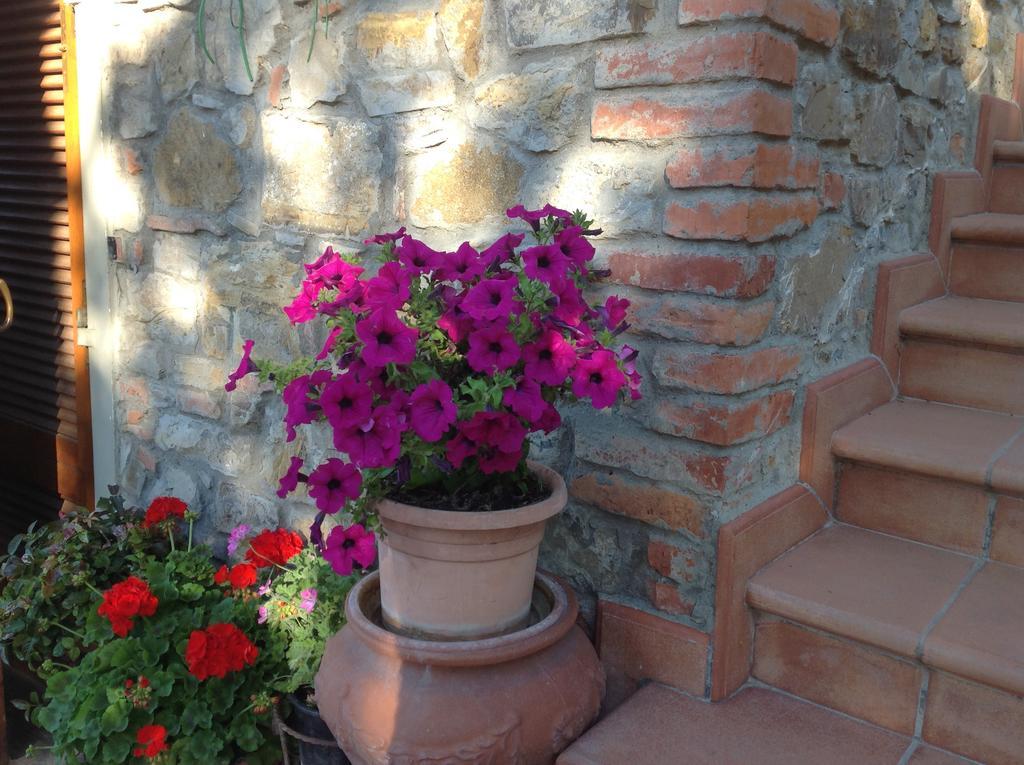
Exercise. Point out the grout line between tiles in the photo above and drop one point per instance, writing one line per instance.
(978, 565)
(990, 526)
(909, 753)
(922, 703)
(999, 454)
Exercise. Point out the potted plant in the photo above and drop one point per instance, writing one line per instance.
(166, 662)
(437, 367)
(301, 605)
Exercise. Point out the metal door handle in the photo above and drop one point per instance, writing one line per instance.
(5, 293)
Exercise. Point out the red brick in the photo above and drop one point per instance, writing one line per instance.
(718, 323)
(132, 164)
(662, 556)
(667, 598)
(816, 20)
(766, 167)
(710, 471)
(636, 646)
(642, 500)
(137, 252)
(276, 81)
(718, 275)
(756, 220)
(756, 55)
(646, 118)
(135, 388)
(724, 373)
(833, 191)
(725, 424)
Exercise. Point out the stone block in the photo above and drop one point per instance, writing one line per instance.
(813, 281)
(462, 26)
(262, 18)
(234, 505)
(392, 94)
(321, 175)
(537, 109)
(176, 432)
(317, 76)
(875, 130)
(871, 34)
(464, 184)
(533, 24)
(194, 167)
(401, 40)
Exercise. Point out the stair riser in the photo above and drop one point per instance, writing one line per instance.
(1007, 189)
(984, 378)
(848, 677)
(994, 272)
(982, 723)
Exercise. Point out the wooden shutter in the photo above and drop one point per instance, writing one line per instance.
(45, 433)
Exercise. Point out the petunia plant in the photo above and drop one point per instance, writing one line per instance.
(438, 366)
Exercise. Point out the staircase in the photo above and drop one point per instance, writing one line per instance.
(894, 634)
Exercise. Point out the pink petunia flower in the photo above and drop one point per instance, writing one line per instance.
(263, 615)
(328, 348)
(498, 429)
(288, 483)
(417, 257)
(385, 238)
(525, 400)
(346, 401)
(549, 421)
(299, 409)
(492, 349)
(491, 300)
(389, 288)
(386, 338)
(348, 546)
(549, 359)
(575, 246)
(534, 217)
(571, 306)
(464, 265)
(459, 449)
(546, 263)
(614, 311)
(374, 444)
(333, 484)
(502, 250)
(245, 367)
(599, 379)
(303, 307)
(432, 410)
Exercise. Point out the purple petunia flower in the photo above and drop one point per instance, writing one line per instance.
(386, 338)
(525, 400)
(502, 250)
(599, 379)
(491, 299)
(263, 615)
(575, 246)
(546, 263)
(417, 257)
(463, 265)
(432, 410)
(333, 484)
(374, 444)
(289, 481)
(349, 546)
(389, 288)
(346, 401)
(245, 366)
(385, 238)
(613, 312)
(534, 217)
(329, 343)
(492, 349)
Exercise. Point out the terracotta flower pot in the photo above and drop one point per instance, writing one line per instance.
(516, 699)
(462, 575)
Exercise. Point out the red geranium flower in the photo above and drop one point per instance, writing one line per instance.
(240, 576)
(126, 600)
(217, 650)
(274, 548)
(151, 740)
(162, 508)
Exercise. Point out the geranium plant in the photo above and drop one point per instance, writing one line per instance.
(439, 365)
(174, 665)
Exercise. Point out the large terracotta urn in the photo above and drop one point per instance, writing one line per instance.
(462, 575)
(517, 699)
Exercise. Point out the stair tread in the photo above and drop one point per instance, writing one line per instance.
(659, 725)
(967, 320)
(927, 438)
(1008, 151)
(980, 636)
(916, 601)
(862, 585)
(997, 228)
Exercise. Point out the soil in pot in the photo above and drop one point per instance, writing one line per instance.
(306, 720)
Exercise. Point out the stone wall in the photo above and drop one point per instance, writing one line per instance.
(750, 162)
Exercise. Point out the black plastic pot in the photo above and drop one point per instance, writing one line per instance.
(306, 721)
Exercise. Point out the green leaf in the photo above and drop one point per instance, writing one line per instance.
(205, 746)
(114, 718)
(196, 715)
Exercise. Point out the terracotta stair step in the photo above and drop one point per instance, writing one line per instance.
(1007, 191)
(988, 270)
(953, 443)
(757, 726)
(1008, 151)
(949, 611)
(993, 228)
(967, 320)
(862, 585)
(964, 351)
